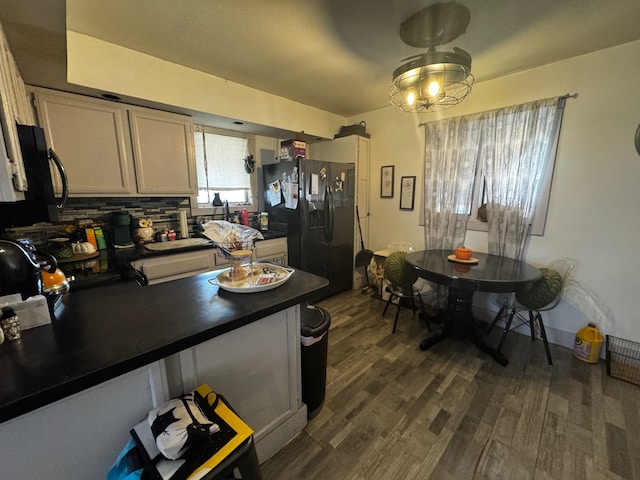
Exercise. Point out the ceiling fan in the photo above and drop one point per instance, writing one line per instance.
(436, 79)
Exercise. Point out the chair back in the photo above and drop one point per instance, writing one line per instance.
(401, 247)
(546, 293)
(398, 272)
(563, 266)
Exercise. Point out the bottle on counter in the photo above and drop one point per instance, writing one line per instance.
(244, 217)
(10, 324)
(264, 221)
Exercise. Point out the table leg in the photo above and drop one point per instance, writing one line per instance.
(460, 324)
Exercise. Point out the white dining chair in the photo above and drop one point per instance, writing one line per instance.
(525, 306)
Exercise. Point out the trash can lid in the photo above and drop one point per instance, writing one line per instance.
(314, 321)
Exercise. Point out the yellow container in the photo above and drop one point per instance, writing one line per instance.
(587, 344)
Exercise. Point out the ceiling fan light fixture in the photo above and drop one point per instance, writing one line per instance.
(420, 85)
(433, 80)
(434, 88)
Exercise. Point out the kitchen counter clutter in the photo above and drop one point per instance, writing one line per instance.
(192, 256)
(133, 346)
(159, 265)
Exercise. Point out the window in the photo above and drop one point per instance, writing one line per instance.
(220, 162)
(478, 215)
(512, 167)
(512, 177)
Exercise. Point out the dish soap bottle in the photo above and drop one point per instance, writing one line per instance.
(244, 216)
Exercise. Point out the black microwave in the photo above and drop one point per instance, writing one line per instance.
(40, 203)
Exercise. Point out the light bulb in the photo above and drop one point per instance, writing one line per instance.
(411, 97)
(433, 88)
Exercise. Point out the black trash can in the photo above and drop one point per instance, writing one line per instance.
(314, 337)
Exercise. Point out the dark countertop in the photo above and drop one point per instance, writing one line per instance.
(101, 333)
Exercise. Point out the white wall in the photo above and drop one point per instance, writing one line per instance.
(94, 63)
(594, 213)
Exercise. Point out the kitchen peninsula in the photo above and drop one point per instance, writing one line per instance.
(70, 391)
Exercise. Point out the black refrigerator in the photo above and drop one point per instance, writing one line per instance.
(314, 202)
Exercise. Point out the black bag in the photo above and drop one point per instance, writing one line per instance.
(197, 432)
(359, 129)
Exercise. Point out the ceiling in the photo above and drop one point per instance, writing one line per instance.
(336, 55)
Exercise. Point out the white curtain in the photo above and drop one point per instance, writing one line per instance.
(517, 145)
(451, 151)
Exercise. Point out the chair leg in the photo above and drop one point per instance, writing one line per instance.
(395, 320)
(388, 303)
(497, 317)
(506, 329)
(543, 333)
(532, 325)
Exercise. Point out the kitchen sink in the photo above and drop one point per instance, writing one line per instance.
(176, 244)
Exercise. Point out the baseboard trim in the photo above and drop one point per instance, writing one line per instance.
(269, 443)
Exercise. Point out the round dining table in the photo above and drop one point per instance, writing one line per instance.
(482, 273)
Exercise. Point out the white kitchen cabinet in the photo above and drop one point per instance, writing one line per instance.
(163, 152)
(91, 137)
(352, 148)
(273, 250)
(178, 265)
(14, 108)
(257, 368)
(80, 436)
(159, 269)
(114, 149)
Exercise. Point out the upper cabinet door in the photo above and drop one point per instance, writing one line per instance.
(92, 140)
(163, 152)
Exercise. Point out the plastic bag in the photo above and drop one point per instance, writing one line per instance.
(231, 236)
(128, 465)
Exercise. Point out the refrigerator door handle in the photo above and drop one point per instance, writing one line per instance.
(329, 209)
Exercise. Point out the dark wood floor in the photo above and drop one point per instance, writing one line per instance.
(394, 412)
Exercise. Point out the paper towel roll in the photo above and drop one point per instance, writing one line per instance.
(184, 230)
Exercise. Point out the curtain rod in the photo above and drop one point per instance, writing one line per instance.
(561, 97)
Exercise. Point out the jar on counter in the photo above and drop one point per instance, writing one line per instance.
(10, 324)
(171, 235)
(264, 221)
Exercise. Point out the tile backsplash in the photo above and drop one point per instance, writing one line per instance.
(163, 212)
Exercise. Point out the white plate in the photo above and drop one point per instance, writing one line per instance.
(257, 273)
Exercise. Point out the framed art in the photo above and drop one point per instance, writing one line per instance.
(386, 181)
(407, 192)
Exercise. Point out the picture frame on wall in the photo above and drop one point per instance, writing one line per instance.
(407, 192)
(386, 181)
